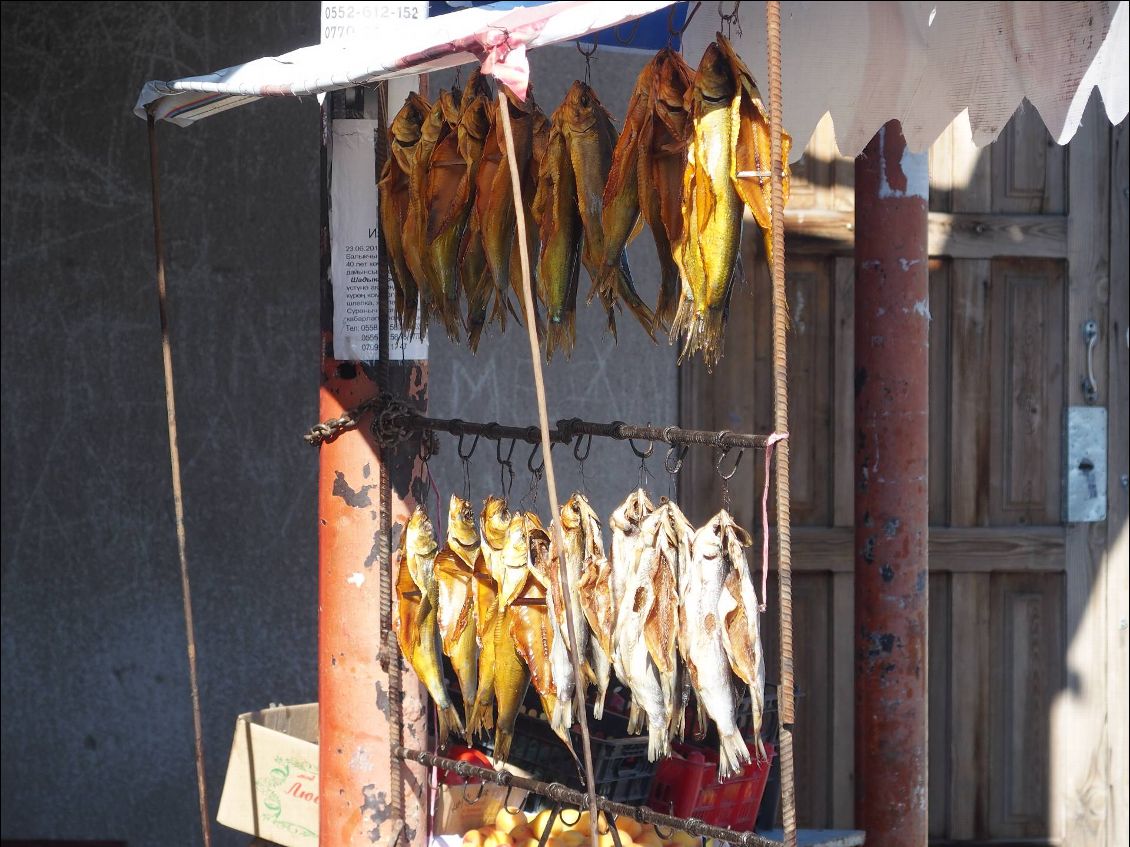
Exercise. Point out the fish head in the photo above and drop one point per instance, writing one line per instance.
(494, 520)
(461, 522)
(449, 102)
(476, 86)
(571, 514)
(519, 108)
(516, 548)
(420, 535)
(729, 529)
(434, 123)
(581, 108)
(475, 119)
(714, 81)
(671, 82)
(405, 129)
(738, 67)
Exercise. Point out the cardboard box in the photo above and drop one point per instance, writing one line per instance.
(271, 788)
(461, 808)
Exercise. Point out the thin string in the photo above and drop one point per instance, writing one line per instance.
(178, 494)
(547, 455)
(773, 439)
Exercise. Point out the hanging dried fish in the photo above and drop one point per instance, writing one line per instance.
(417, 630)
(403, 140)
(706, 658)
(591, 137)
(494, 521)
(455, 568)
(559, 224)
(707, 251)
(752, 158)
(626, 550)
(739, 611)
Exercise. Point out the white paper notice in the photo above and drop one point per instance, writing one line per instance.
(354, 234)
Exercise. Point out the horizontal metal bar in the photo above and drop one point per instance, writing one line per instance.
(565, 795)
(569, 428)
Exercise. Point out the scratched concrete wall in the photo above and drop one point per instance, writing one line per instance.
(97, 726)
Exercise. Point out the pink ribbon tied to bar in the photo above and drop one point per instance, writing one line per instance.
(769, 444)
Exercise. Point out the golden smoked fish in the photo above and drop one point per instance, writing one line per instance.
(739, 610)
(707, 662)
(712, 210)
(417, 618)
(494, 522)
(559, 224)
(439, 123)
(403, 137)
(511, 671)
(455, 569)
(591, 137)
(660, 172)
(752, 159)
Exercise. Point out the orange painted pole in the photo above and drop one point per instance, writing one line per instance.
(366, 795)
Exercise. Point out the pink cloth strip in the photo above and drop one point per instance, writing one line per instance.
(773, 439)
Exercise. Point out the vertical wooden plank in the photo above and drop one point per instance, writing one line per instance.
(841, 757)
(814, 704)
(939, 707)
(843, 393)
(1027, 641)
(1020, 162)
(941, 171)
(972, 188)
(941, 274)
(1118, 464)
(969, 683)
(1081, 763)
(971, 393)
(1027, 396)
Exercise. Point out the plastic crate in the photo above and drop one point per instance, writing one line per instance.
(686, 785)
(620, 766)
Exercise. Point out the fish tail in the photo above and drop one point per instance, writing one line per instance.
(635, 719)
(626, 290)
(762, 757)
(480, 719)
(502, 741)
(681, 323)
(733, 754)
(448, 312)
(447, 719)
(706, 336)
(667, 305)
(598, 703)
(560, 335)
(658, 742)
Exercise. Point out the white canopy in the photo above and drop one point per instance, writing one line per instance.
(866, 63)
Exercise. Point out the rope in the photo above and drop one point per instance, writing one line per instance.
(781, 422)
(547, 455)
(178, 494)
(773, 439)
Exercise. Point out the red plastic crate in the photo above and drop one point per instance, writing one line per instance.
(686, 785)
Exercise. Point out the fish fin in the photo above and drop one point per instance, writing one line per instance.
(635, 719)
(502, 741)
(447, 719)
(659, 625)
(735, 629)
(733, 755)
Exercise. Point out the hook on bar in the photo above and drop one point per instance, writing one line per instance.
(577, 454)
(642, 454)
(466, 457)
(673, 461)
(722, 457)
(482, 787)
(536, 470)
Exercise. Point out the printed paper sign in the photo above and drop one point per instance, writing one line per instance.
(354, 238)
(359, 19)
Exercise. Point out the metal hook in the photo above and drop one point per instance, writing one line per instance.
(673, 33)
(730, 20)
(427, 447)
(482, 787)
(561, 814)
(673, 461)
(670, 832)
(509, 453)
(626, 41)
(505, 466)
(506, 801)
(642, 454)
(536, 471)
(588, 54)
(734, 469)
(466, 457)
(577, 447)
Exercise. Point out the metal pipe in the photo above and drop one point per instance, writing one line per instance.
(363, 489)
(892, 321)
(568, 796)
(566, 430)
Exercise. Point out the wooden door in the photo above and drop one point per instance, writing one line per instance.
(1019, 243)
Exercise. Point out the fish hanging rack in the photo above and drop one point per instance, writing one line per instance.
(394, 422)
(562, 795)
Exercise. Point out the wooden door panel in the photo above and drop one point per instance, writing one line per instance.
(1028, 167)
(1026, 667)
(1027, 332)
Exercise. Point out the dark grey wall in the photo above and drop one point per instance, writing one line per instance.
(97, 739)
(97, 728)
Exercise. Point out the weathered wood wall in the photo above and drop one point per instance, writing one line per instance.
(1022, 635)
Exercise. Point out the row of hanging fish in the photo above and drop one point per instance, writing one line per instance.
(671, 610)
(693, 152)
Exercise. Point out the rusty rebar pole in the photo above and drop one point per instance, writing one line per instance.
(781, 425)
(892, 322)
